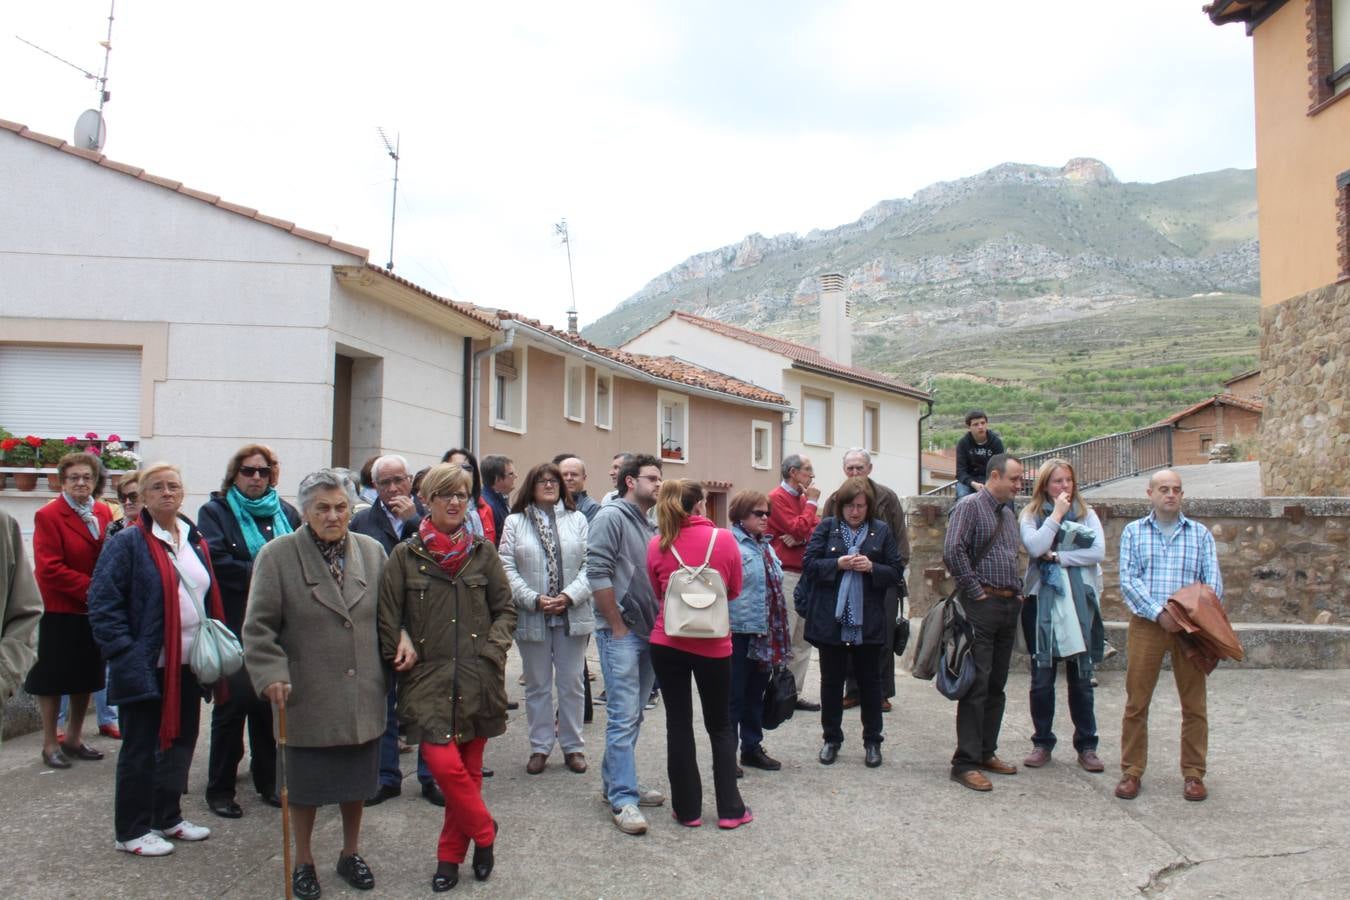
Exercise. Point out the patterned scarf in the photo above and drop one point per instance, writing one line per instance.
(334, 553)
(775, 647)
(451, 551)
(848, 610)
(85, 511)
(247, 512)
(548, 538)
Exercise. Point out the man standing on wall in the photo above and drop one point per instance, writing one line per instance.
(1159, 554)
(792, 518)
(980, 552)
(973, 452)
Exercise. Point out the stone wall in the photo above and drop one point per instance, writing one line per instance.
(1284, 561)
(1305, 373)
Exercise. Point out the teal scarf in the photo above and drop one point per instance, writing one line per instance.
(1072, 536)
(247, 511)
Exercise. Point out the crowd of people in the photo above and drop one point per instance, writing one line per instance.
(380, 613)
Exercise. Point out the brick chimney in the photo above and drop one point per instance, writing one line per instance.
(836, 325)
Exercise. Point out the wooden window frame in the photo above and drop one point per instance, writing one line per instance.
(828, 397)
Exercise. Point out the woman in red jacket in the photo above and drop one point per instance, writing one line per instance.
(686, 534)
(67, 539)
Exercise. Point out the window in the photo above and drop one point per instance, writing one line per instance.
(604, 401)
(54, 392)
(817, 419)
(1328, 50)
(761, 449)
(673, 424)
(871, 439)
(508, 390)
(574, 392)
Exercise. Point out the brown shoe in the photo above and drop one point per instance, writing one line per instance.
(1194, 789)
(973, 780)
(998, 766)
(886, 706)
(576, 762)
(1090, 761)
(1128, 788)
(536, 763)
(850, 702)
(1038, 757)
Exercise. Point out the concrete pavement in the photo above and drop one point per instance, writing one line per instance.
(1275, 823)
(1218, 481)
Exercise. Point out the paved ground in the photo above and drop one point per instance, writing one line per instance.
(1220, 481)
(1275, 823)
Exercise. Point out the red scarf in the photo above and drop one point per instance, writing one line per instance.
(171, 699)
(451, 551)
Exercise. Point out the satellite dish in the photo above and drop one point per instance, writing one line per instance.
(90, 130)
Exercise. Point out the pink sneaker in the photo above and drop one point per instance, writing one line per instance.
(737, 823)
(692, 823)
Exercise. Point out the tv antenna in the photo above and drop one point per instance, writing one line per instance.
(561, 230)
(91, 132)
(393, 212)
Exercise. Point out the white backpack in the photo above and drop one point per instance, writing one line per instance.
(696, 599)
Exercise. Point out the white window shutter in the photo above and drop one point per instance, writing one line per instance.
(54, 392)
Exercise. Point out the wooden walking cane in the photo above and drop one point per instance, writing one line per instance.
(284, 792)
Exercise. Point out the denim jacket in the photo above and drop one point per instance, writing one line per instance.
(750, 612)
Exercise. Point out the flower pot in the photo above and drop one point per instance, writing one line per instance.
(26, 481)
(54, 481)
(4, 476)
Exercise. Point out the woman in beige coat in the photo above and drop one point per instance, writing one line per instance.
(20, 609)
(446, 589)
(311, 646)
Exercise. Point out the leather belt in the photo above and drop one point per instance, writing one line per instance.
(1001, 593)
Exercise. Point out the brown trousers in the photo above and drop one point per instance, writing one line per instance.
(1146, 645)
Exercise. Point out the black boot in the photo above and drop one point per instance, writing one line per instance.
(482, 856)
(446, 877)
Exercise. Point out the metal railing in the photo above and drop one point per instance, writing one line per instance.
(1097, 461)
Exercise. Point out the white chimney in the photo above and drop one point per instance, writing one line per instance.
(836, 325)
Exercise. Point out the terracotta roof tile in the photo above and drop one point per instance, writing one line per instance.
(1224, 399)
(177, 186)
(482, 316)
(807, 357)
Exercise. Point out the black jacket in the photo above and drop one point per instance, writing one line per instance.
(229, 552)
(818, 592)
(972, 459)
(374, 522)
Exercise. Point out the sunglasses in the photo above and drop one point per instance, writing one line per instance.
(131, 497)
(250, 471)
(760, 513)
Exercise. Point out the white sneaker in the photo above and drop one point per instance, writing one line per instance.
(630, 821)
(184, 831)
(648, 796)
(149, 844)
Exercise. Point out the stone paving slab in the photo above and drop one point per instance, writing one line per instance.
(1275, 823)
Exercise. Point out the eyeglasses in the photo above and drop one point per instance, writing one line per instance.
(547, 482)
(392, 482)
(131, 497)
(458, 497)
(170, 488)
(760, 513)
(251, 471)
(80, 479)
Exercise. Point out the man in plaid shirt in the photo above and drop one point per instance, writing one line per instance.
(1159, 554)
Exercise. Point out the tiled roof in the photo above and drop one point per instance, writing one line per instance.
(477, 314)
(939, 462)
(1234, 400)
(667, 367)
(1239, 377)
(806, 357)
(97, 158)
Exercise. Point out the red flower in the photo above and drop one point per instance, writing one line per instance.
(113, 437)
(90, 436)
(33, 441)
(9, 443)
(91, 449)
(72, 441)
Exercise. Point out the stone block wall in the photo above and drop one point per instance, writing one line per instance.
(1284, 561)
(1305, 371)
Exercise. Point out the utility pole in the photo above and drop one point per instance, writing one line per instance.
(561, 230)
(393, 212)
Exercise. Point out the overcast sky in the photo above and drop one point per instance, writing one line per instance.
(658, 129)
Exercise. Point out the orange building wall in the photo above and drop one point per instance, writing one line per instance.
(1220, 424)
(1297, 160)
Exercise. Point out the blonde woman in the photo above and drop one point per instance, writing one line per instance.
(1062, 616)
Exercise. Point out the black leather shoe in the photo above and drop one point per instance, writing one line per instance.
(305, 882)
(828, 753)
(354, 871)
(873, 758)
(55, 760)
(488, 773)
(225, 807)
(431, 791)
(384, 793)
(758, 759)
(270, 799)
(446, 877)
(807, 705)
(513, 704)
(482, 856)
(83, 751)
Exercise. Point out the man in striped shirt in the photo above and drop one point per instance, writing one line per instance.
(1159, 554)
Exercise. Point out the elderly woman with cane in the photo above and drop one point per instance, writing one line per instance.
(311, 648)
(445, 593)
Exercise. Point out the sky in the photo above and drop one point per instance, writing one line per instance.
(656, 129)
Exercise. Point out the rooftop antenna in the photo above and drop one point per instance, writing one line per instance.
(393, 212)
(561, 230)
(91, 132)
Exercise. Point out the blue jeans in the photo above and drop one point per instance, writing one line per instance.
(390, 773)
(963, 490)
(748, 681)
(1080, 706)
(626, 665)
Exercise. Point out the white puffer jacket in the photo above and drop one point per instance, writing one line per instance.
(527, 570)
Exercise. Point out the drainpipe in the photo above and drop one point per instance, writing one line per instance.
(470, 414)
(788, 418)
(920, 456)
(476, 376)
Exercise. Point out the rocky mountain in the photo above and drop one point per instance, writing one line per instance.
(1017, 245)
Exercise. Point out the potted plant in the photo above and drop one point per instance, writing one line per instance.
(21, 458)
(118, 459)
(50, 453)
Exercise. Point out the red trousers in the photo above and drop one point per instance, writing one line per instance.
(458, 769)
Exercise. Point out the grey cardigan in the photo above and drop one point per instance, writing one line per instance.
(527, 571)
(303, 630)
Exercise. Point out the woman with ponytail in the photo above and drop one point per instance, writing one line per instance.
(686, 534)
